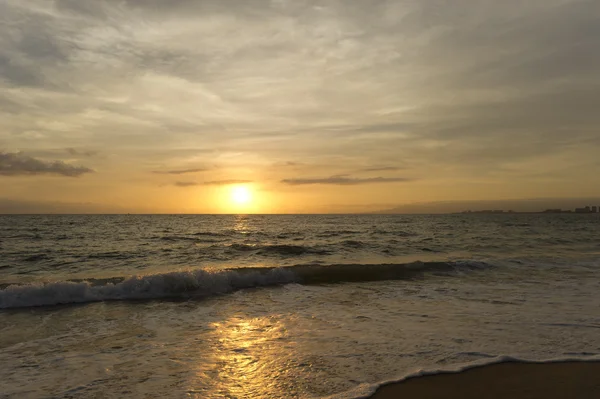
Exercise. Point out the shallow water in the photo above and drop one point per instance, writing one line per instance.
(359, 309)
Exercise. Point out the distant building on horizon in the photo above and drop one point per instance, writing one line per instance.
(587, 209)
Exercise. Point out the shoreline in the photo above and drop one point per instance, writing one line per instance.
(511, 379)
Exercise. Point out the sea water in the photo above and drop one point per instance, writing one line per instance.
(303, 306)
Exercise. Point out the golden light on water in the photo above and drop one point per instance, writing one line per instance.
(251, 357)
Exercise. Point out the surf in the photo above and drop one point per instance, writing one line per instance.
(207, 282)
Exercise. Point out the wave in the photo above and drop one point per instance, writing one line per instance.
(353, 243)
(336, 233)
(36, 258)
(291, 235)
(168, 285)
(279, 249)
(27, 236)
(196, 238)
(176, 238)
(243, 247)
(367, 390)
(287, 249)
(331, 274)
(397, 233)
(202, 283)
(110, 255)
(209, 234)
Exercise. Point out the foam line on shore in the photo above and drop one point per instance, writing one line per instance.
(366, 391)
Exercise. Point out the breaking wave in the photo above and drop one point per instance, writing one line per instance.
(202, 283)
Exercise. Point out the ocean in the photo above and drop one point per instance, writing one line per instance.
(286, 306)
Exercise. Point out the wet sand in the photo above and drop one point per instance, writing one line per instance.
(577, 380)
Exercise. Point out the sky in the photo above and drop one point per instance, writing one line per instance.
(309, 106)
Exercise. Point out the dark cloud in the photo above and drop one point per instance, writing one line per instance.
(19, 164)
(179, 171)
(32, 48)
(105, 9)
(15, 206)
(225, 182)
(81, 153)
(92, 9)
(288, 163)
(382, 169)
(18, 74)
(345, 180)
(186, 183)
(211, 183)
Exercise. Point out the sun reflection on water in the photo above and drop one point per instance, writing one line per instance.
(253, 358)
(242, 224)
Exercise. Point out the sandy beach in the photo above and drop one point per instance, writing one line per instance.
(579, 380)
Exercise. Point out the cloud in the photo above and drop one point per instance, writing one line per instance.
(225, 182)
(382, 169)
(82, 153)
(345, 181)
(186, 183)
(19, 164)
(17, 206)
(453, 89)
(283, 164)
(179, 171)
(211, 183)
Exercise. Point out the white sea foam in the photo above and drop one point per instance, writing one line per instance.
(175, 284)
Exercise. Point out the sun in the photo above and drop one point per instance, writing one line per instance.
(240, 198)
(241, 195)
